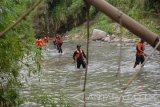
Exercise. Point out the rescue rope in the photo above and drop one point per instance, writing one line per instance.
(85, 80)
(120, 58)
(135, 75)
(87, 49)
(119, 62)
(20, 18)
(120, 51)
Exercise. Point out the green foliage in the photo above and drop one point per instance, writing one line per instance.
(135, 13)
(153, 5)
(19, 42)
(103, 23)
(100, 22)
(134, 8)
(12, 97)
(59, 13)
(75, 7)
(54, 101)
(69, 13)
(14, 46)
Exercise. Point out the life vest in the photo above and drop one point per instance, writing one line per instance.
(39, 43)
(59, 41)
(140, 49)
(79, 54)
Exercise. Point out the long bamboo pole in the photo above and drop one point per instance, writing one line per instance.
(126, 21)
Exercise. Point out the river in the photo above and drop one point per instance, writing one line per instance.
(60, 77)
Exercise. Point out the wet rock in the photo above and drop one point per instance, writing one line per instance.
(103, 36)
(116, 40)
(112, 36)
(106, 39)
(98, 34)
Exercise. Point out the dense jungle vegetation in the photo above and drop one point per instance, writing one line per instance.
(15, 45)
(63, 16)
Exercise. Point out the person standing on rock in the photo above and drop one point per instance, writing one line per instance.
(80, 57)
(140, 53)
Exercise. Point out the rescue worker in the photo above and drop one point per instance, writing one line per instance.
(140, 53)
(59, 42)
(39, 42)
(80, 57)
(46, 39)
(54, 42)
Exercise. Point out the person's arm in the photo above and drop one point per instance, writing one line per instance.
(74, 54)
(84, 55)
(55, 41)
(139, 48)
(61, 41)
(143, 50)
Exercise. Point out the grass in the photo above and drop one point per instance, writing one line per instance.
(133, 10)
(100, 22)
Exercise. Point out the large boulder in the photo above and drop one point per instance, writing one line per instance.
(98, 34)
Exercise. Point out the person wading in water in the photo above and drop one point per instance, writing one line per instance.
(59, 42)
(80, 57)
(39, 42)
(140, 53)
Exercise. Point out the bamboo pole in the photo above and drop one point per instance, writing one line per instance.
(20, 18)
(126, 21)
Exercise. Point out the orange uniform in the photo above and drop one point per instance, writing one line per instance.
(59, 41)
(80, 57)
(79, 54)
(140, 53)
(39, 43)
(140, 49)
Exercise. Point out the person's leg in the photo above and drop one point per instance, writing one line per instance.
(137, 61)
(142, 59)
(78, 64)
(57, 46)
(83, 64)
(60, 48)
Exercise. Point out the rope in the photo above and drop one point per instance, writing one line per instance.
(120, 51)
(135, 75)
(85, 80)
(120, 58)
(20, 18)
(119, 63)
